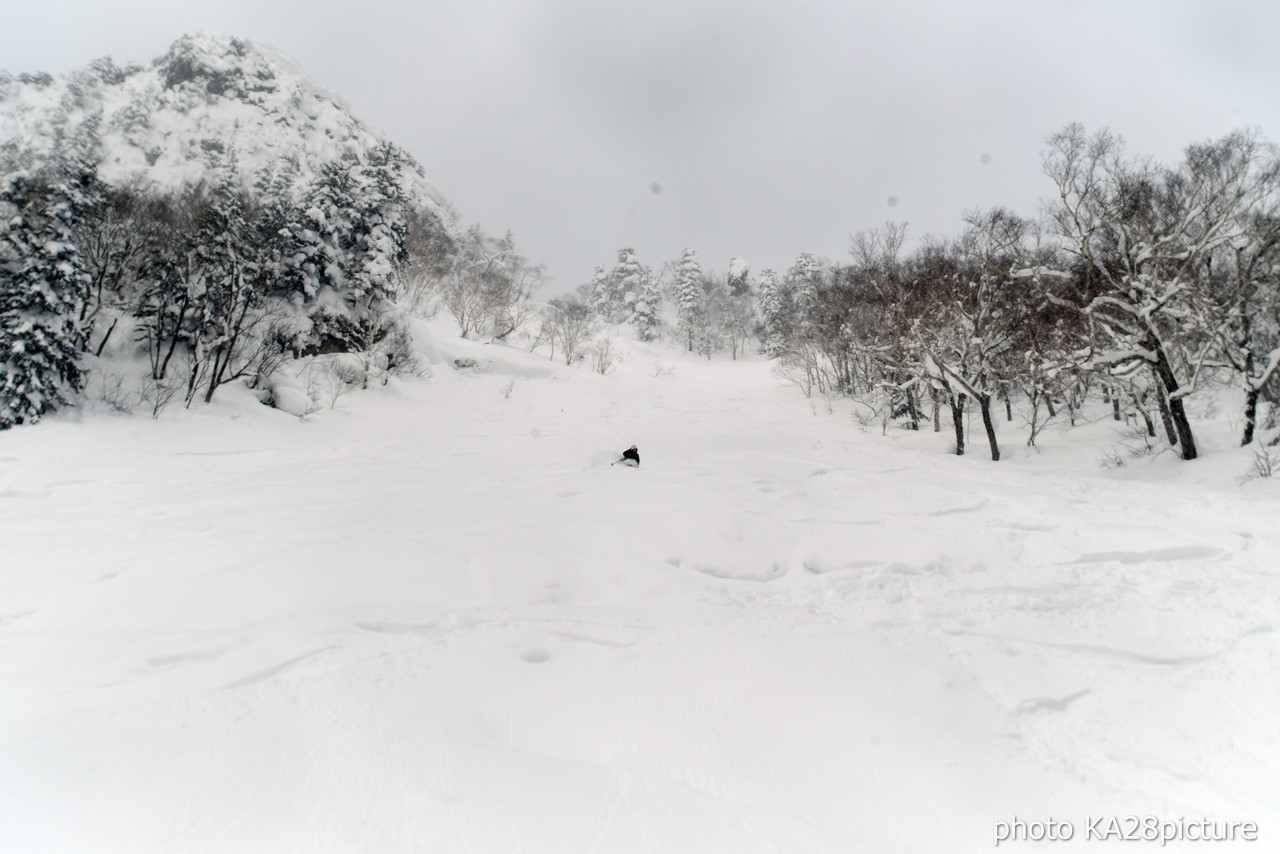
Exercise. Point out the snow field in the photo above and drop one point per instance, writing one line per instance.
(436, 619)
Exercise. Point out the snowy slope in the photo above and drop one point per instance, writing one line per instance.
(437, 619)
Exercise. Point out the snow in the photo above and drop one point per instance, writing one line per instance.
(434, 618)
(167, 137)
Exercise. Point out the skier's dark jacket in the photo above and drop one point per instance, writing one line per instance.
(631, 454)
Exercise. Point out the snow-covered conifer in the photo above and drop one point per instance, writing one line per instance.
(647, 316)
(599, 292)
(738, 280)
(625, 285)
(773, 313)
(41, 290)
(690, 298)
(803, 281)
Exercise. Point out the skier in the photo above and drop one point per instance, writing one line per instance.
(630, 457)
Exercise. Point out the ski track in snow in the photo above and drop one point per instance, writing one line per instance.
(442, 621)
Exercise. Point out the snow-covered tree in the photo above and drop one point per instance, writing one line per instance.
(738, 280)
(715, 312)
(647, 315)
(1143, 235)
(774, 313)
(570, 322)
(488, 287)
(42, 286)
(626, 293)
(377, 223)
(974, 335)
(690, 298)
(600, 293)
(1236, 308)
(221, 345)
(626, 284)
(804, 279)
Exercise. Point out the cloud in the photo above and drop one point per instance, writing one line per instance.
(773, 128)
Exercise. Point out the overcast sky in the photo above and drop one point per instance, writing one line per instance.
(739, 128)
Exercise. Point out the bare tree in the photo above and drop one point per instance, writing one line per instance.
(488, 286)
(572, 324)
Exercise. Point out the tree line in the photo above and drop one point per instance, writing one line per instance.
(1140, 283)
(212, 283)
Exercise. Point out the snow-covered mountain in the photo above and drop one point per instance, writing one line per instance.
(208, 100)
(218, 203)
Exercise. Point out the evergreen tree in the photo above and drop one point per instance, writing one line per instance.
(599, 292)
(773, 313)
(42, 284)
(803, 282)
(738, 282)
(690, 298)
(624, 286)
(647, 316)
(374, 246)
(715, 310)
(312, 239)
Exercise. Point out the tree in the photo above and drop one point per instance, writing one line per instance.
(571, 324)
(737, 320)
(647, 315)
(1142, 234)
(775, 314)
(631, 295)
(112, 234)
(599, 293)
(973, 336)
(624, 294)
(690, 298)
(42, 287)
(1236, 303)
(738, 280)
(172, 280)
(489, 284)
(715, 311)
(805, 278)
(221, 346)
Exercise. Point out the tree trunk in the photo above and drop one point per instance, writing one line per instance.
(173, 342)
(1146, 416)
(1182, 426)
(985, 403)
(1250, 416)
(1163, 403)
(1177, 412)
(1250, 402)
(957, 420)
(937, 413)
(105, 338)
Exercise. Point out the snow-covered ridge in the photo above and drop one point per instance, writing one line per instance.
(209, 99)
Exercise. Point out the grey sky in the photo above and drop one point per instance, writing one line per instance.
(772, 128)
